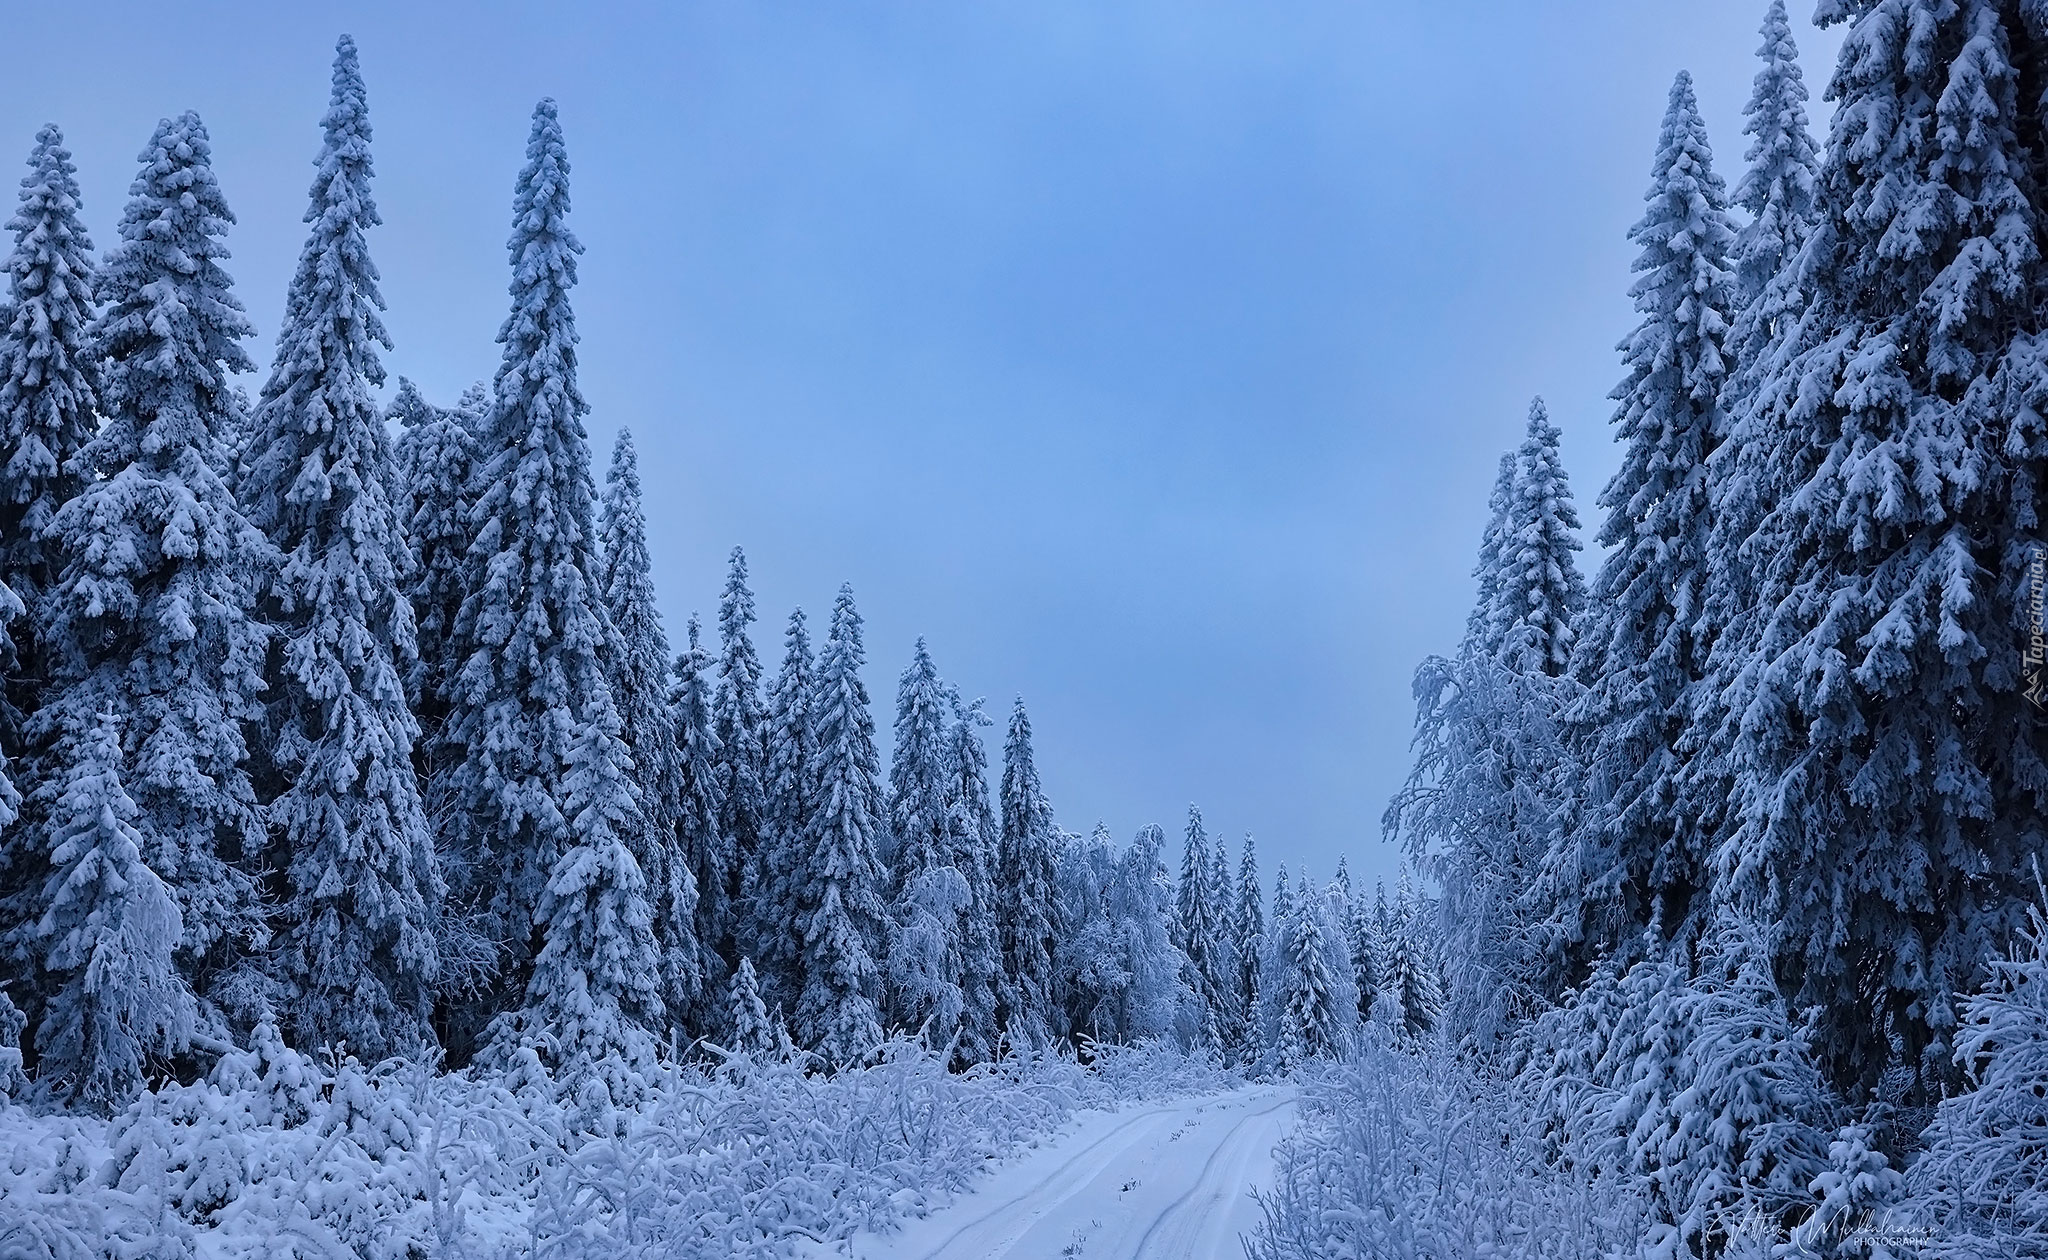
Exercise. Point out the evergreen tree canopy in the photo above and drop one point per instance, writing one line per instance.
(647, 722)
(740, 722)
(47, 394)
(594, 993)
(108, 936)
(975, 839)
(1778, 188)
(705, 851)
(787, 793)
(532, 706)
(839, 906)
(358, 952)
(1537, 592)
(930, 899)
(436, 452)
(1024, 891)
(1635, 855)
(150, 618)
(1874, 522)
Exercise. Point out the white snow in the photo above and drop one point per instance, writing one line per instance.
(1149, 1180)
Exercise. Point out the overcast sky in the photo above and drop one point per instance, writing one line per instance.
(1150, 357)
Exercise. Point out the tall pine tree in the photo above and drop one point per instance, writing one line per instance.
(1309, 1016)
(929, 898)
(1778, 189)
(151, 615)
(1489, 796)
(705, 851)
(1024, 892)
(976, 837)
(1877, 526)
(647, 723)
(787, 791)
(531, 707)
(436, 454)
(1634, 855)
(840, 916)
(1248, 929)
(358, 953)
(47, 402)
(740, 722)
(1538, 591)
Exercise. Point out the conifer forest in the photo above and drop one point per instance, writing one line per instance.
(382, 876)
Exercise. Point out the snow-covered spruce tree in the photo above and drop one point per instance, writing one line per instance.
(531, 704)
(593, 1002)
(647, 724)
(840, 915)
(787, 791)
(705, 852)
(1248, 930)
(1368, 960)
(1309, 1006)
(116, 1002)
(1223, 951)
(1633, 856)
(47, 401)
(46, 415)
(1413, 961)
(1780, 190)
(1537, 591)
(1201, 933)
(1488, 796)
(929, 899)
(1283, 896)
(1190, 893)
(748, 1028)
(1784, 163)
(151, 615)
(1480, 634)
(1024, 892)
(741, 725)
(975, 837)
(436, 452)
(1876, 523)
(357, 955)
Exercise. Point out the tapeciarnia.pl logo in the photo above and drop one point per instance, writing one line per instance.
(2036, 662)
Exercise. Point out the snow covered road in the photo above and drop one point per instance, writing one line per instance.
(1168, 1181)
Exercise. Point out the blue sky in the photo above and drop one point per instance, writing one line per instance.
(1150, 357)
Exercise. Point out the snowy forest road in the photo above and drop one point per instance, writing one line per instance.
(1149, 1182)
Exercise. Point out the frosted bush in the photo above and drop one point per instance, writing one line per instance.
(1410, 1152)
(277, 1153)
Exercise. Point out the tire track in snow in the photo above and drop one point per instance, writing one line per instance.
(1196, 1224)
(1170, 1182)
(996, 1230)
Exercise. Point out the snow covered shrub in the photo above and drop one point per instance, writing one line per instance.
(275, 1153)
(1412, 1152)
(1984, 1172)
(1699, 1089)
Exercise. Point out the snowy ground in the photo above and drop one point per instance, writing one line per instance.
(1152, 1181)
